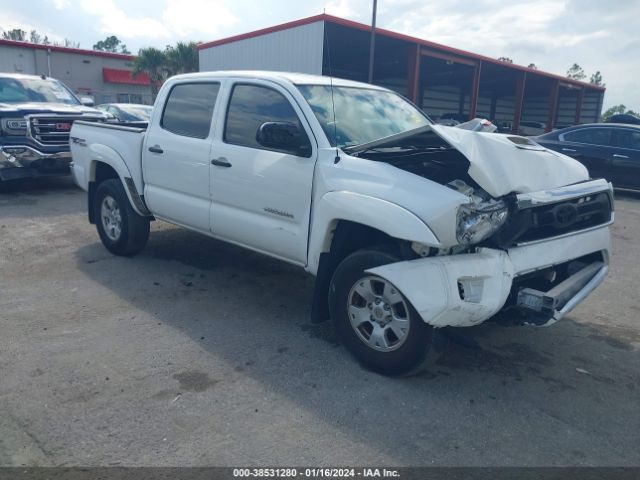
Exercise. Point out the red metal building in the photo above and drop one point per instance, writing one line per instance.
(443, 81)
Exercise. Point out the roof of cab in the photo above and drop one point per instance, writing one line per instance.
(290, 77)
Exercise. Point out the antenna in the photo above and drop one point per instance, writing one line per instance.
(333, 105)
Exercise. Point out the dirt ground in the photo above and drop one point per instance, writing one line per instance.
(199, 353)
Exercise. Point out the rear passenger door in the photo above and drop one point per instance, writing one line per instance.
(176, 155)
(591, 147)
(625, 158)
(261, 198)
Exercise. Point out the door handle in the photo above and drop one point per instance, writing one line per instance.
(220, 162)
(156, 149)
(568, 150)
(615, 155)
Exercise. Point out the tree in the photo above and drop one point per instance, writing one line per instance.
(34, 37)
(596, 79)
(505, 59)
(68, 43)
(576, 72)
(111, 44)
(533, 66)
(183, 58)
(16, 34)
(154, 62)
(19, 35)
(616, 110)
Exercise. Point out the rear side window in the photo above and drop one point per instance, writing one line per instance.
(251, 106)
(590, 136)
(189, 109)
(626, 138)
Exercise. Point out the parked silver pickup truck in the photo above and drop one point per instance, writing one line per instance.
(408, 226)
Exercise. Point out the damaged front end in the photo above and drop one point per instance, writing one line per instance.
(532, 239)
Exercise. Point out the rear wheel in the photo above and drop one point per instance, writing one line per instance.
(121, 229)
(372, 317)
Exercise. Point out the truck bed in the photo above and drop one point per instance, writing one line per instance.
(92, 141)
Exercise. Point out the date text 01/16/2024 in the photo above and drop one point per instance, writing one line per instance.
(315, 473)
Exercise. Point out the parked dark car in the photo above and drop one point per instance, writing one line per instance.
(608, 150)
(624, 118)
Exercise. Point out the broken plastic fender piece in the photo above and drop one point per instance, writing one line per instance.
(457, 290)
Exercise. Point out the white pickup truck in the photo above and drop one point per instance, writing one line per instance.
(408, 226)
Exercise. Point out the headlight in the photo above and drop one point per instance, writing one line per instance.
(14, 126)
(477, 221)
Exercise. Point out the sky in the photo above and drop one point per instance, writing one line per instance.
(554, 34)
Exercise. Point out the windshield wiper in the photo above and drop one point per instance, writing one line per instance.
(401, 149)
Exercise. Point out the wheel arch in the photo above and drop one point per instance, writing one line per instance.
(106, 163)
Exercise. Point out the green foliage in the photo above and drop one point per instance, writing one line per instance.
(16, 34)
(152, 61)
(159, 64)
(617, 109)
(596, 79)
(183, 58)
(111, 44)
(19, 35)
(576, 72)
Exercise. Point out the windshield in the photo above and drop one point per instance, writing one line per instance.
(21, 90)
(133, 113)
(361, 115)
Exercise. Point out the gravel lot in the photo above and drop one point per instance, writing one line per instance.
(200, 353)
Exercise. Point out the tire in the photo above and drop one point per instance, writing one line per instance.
(121, 229)
(352, 300)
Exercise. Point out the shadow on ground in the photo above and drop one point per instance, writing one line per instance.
(252, 312)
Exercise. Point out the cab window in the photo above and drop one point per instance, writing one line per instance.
(252, 105)
(189, 109)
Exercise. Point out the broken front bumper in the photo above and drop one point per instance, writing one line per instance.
(467, 289)
(23, 161)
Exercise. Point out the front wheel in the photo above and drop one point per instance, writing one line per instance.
(121, 229)
(372, 317)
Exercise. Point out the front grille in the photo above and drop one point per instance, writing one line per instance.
(555, 219)
(54, 130)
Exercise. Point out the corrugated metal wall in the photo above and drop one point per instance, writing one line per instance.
(297, 49)
(591, 106)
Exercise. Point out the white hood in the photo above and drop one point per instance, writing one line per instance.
(500, 166)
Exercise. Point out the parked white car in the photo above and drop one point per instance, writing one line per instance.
(408, 226)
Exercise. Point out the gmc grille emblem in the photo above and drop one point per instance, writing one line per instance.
(63, 126)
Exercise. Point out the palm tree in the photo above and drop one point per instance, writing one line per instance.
(154, 62)
(183, 58)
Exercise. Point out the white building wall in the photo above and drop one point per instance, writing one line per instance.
(17, 59)
(297, 49)
(79, 71)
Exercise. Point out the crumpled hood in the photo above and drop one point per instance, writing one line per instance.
(44, 107)
(501, 166)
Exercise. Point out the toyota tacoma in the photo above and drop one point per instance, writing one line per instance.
(407, 226)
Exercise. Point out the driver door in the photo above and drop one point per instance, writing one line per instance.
(261, 197)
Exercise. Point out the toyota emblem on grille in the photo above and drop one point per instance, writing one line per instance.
(565, 214)
(63, 126)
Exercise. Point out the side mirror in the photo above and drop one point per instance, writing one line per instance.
(284, 136)
(87, 101)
